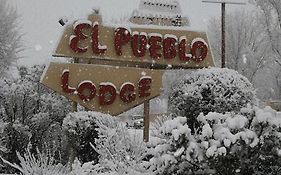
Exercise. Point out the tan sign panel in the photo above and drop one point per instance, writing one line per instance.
(106, 89)
(144, 47)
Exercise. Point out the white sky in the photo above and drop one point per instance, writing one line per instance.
(39, 20)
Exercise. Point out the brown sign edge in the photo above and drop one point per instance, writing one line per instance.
(45, 71)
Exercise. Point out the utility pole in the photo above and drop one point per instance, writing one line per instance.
(223, 3)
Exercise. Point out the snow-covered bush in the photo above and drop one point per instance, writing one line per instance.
(210, 90)
(120, 150)
(80, 128)
(15, 138)
(248, 142)
(159, 121)
(174, 149)
(32, 113)
(40, 164)
(47, 134)
(3, 148)
(46, 164)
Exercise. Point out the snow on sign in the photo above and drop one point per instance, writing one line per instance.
(131, 52)
(106, 89)
(141, 47)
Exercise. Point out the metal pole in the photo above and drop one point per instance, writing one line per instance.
(146, 121)
(223, 35)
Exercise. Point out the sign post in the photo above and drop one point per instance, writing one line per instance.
(75, 104)
(146, 122)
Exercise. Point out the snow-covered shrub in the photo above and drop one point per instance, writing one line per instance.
(159, 121)
(80, 128)
(248, 142)
(46, 164)
(39, 164)
(121, 150)
(174, 149)
(3, 148)
(82, 169)
(16, 138)
(244, 143)
(210, 90)
(27, 106)
(48, 136)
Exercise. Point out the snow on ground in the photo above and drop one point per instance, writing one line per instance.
(137, 134)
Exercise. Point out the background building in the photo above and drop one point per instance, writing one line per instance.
(156, 12)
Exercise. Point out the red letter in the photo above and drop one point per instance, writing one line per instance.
(122, 37)
(127, 93)
(139, 49)
(91, 90)
(155, 47)
(144, 86)
(64, 81)
(107, 94)
(97, 48)
(79, 35)
(169, 47)
(199, 51)
(182, 51)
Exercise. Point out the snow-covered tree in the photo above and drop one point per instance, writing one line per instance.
(210, 90)
(9, 36)
(26, 96)
(271, 10)
(246, 47)
(34, 115)
(270, 19)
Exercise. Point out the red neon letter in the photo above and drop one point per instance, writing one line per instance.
(122, 37)
(199, 51)
(144, 87)
(79, 35)
(139, 43)
(90, 87)
(155, 47)
(97, 48)
(169, 47)
(64, 81)
(107, 94)
(127, 93)
(182, 51)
